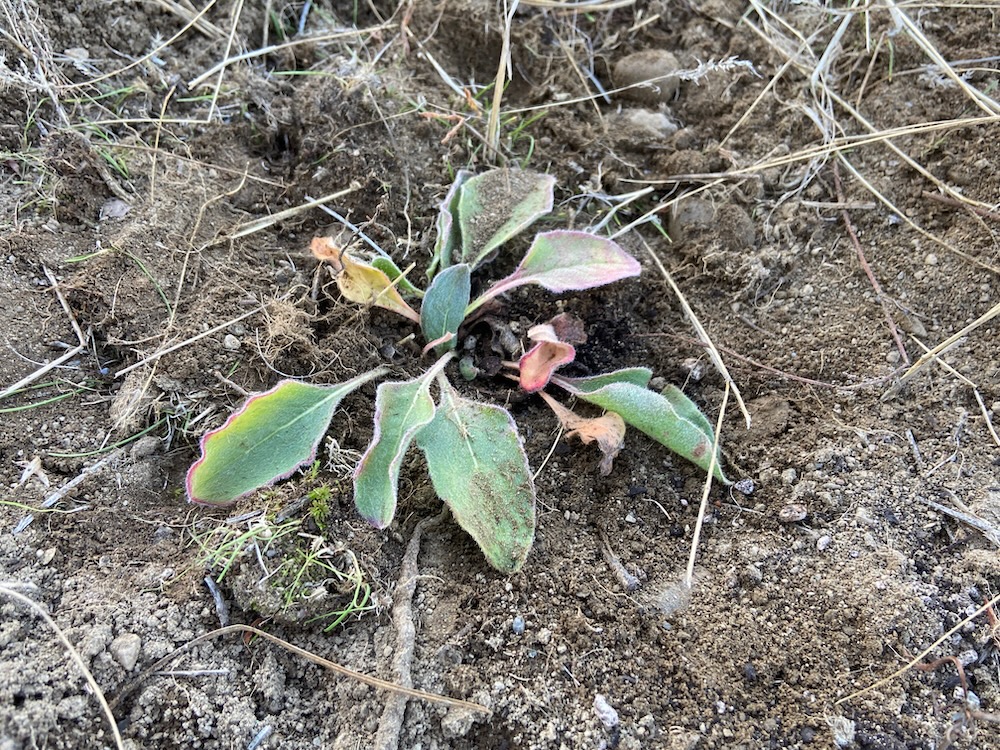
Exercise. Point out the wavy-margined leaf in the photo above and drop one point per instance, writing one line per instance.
(497, 205)
(271, 435)
(563, 261)
(479, 469)
(447, 225)
(443, 308)
(401, 409)
(670, 418)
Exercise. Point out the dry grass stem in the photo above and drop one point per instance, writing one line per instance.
(923, 654)
(975, 392)
(934, 353)
(194, 19)
(988, 530)
(503, 75)
(902, 19)
(237, 11)
(201, 79)
(689, 573)
(257, 225)
(374, 682)
(70, 353)
(703, 336)
(187, 342)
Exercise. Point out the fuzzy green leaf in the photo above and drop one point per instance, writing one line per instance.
(563, 261)
(497, 205)
(671, 419)
(272, 435)
(479, 469)
(401, 409)
(636, 375)
(443, 308)
(390, 269)
(447, 225)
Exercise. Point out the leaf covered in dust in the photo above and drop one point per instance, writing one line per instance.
(479, 469)
(497, 205)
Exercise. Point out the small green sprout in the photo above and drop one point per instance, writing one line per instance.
(473, 451)
(319, 507)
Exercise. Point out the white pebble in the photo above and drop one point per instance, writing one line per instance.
(604, 711)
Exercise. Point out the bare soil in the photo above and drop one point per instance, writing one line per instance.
(135, 190)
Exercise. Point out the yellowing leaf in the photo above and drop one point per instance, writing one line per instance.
(607, 430)
(360, 282)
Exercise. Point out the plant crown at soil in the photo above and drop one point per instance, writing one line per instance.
(474, 453)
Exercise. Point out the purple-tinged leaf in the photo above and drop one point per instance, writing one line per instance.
(267, 439)
(563, 261)
(544, 358)
(401, 409)
(670, 418)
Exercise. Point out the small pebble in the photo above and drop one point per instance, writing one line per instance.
(931, 259)
(605, 712)
(824, 542)
(125, 650)
(630, 517)
(793, 513)
(518, 626)
(230, 342)
(648, 65)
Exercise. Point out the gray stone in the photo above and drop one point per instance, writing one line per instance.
(125, 650)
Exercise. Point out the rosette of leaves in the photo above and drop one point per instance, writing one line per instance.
(473, 451)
